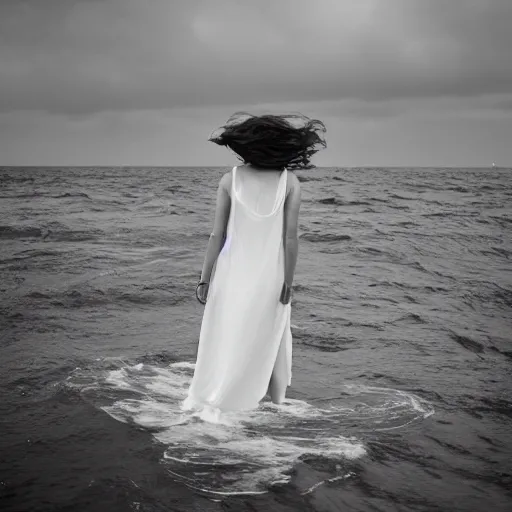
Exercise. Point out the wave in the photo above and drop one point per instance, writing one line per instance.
(436, 289)
(21, 196)
(380, 254)
(409, 318)
(406, 286)
(437, 214)
(173, 188)
(14, 232)
(398, 207)
(88, 296)
(340, 202)
(406, 223)
(305, 179)
(396, 196)
(466, 342)
(503, 296)
(457, 188)
(72, 194)
(418, 266)
(324, 237)
(506, 353)
(499, 251)
(46, 195)
(503, 221)
(332, 343)
(53, 231)
(372, 250)
(22, 257)
(72, 235)
(8, 178)
(494, 405)
(486, 292)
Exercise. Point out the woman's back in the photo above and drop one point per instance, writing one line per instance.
(259, 191)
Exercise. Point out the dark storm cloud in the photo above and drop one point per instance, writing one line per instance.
(84, 56)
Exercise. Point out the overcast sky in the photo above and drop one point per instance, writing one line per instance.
(144, 82)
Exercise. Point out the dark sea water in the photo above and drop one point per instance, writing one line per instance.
(401, 396)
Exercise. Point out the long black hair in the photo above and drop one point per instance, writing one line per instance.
(272, 141)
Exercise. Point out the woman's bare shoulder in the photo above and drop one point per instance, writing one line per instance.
(225, 181)
(292, 183)
(293, 180)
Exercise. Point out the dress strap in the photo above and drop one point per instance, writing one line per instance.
(284, 180)
(233, 174)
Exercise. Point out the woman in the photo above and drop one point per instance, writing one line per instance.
(246, 282)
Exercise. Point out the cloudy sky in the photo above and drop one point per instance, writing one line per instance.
(144, 82)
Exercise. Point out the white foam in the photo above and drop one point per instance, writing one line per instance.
(183, 364)
(253, 448)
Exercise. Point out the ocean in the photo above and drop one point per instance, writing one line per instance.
(401, 396)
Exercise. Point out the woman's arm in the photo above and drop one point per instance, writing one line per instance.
(290, 237)
(220, 224)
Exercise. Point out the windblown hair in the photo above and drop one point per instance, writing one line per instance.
(272, 141)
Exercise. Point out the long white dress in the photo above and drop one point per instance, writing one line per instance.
(244, 324)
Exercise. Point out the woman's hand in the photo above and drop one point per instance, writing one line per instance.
(286, 294)
(202, 292)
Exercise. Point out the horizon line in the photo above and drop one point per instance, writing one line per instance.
(133, 166)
